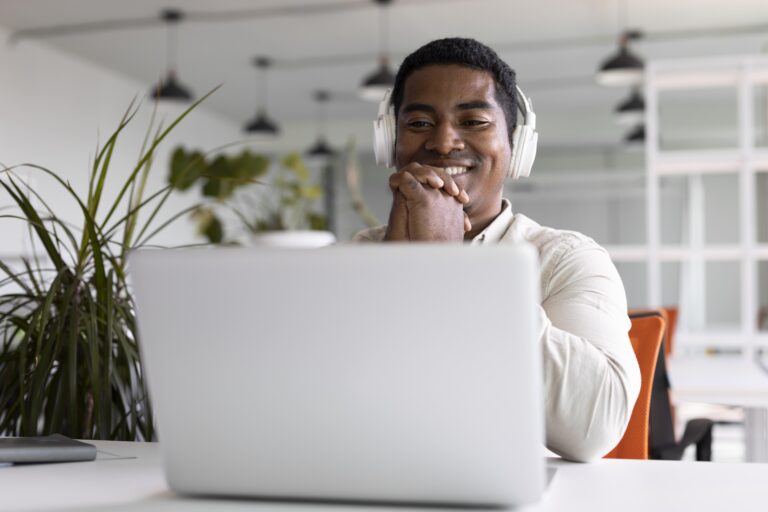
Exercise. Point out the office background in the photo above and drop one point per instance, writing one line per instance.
(61, 91)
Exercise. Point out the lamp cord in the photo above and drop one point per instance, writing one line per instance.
(621, 13)
(263, 89)
(384, 31)
(321, 119)
(171, 48)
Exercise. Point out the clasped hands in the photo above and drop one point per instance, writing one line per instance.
(427, 204)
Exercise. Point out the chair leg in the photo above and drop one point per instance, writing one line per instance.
(704, 446)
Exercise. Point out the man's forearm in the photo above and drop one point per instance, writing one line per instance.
(589, 395)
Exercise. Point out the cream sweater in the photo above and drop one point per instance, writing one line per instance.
(591, 375)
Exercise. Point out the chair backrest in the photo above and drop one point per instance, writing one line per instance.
(671, 317)
(646, 335)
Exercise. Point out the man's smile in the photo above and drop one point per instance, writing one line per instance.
(452, 167)
(453, 171)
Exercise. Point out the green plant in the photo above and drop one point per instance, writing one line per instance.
(69, 359)
(234, 185)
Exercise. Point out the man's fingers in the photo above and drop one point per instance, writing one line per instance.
(452, 188)
(435, 181)
(410, 187)
(394, 181)
(424, 175)
(435, 177)
(467, 224)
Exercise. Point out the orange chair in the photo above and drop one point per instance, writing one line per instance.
(671, 316)
(646, 335)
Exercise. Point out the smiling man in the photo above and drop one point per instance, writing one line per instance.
(455, 105)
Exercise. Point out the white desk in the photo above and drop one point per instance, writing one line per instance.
(726, 380)
(138, 485)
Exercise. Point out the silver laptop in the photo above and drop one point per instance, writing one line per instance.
(382, 373)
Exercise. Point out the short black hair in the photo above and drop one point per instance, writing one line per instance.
(463, 52)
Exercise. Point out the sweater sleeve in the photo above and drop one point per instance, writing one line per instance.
(375, 234)
(591, 375)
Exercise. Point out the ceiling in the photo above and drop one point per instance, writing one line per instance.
(554, 45)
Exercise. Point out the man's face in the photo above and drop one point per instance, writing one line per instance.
(449, 117)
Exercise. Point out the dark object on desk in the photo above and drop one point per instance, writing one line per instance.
(53, 448)
(661, 431)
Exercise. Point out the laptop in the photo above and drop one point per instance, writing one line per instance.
(369, 373)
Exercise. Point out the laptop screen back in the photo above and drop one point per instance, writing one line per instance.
(387, 372)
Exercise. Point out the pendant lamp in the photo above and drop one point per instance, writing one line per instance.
(636, 136)
(631, 111)
(261, 123)
(321, 150)
(623, 67)
(376, 84)
(170, 88)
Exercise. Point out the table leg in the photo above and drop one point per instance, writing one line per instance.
(756, 434)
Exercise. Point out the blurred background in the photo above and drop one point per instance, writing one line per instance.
(664, 161)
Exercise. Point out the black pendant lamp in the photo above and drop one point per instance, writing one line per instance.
(261, 123)
(321, 149)
(636, 136)
(624, 67)
(376, 84)
(631, 111)
(170, 88)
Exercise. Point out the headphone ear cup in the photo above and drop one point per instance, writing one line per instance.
(527, 157)
(524, 142)
(384, 140)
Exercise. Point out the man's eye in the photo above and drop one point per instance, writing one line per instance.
(475, 122)
(418, 124)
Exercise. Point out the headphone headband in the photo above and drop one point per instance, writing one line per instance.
(529, 115)
(386, 103)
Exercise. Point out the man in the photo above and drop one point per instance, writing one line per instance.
(455, 107)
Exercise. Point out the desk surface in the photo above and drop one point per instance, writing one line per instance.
(722, 379)
(137, 484)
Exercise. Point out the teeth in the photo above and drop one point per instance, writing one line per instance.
(453, 171)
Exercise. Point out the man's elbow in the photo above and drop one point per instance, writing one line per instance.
(597, 444)
(603, 425)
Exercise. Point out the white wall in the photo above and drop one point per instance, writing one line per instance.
(55, 107)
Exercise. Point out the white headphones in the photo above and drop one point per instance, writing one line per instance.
(524, 138)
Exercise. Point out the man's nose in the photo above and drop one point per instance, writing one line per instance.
(445, 139)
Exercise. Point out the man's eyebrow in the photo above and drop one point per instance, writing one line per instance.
(479, 104)
(468, 105)
(418, 107)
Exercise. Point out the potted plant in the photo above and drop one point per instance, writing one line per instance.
(69, 358)
(244, 206)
